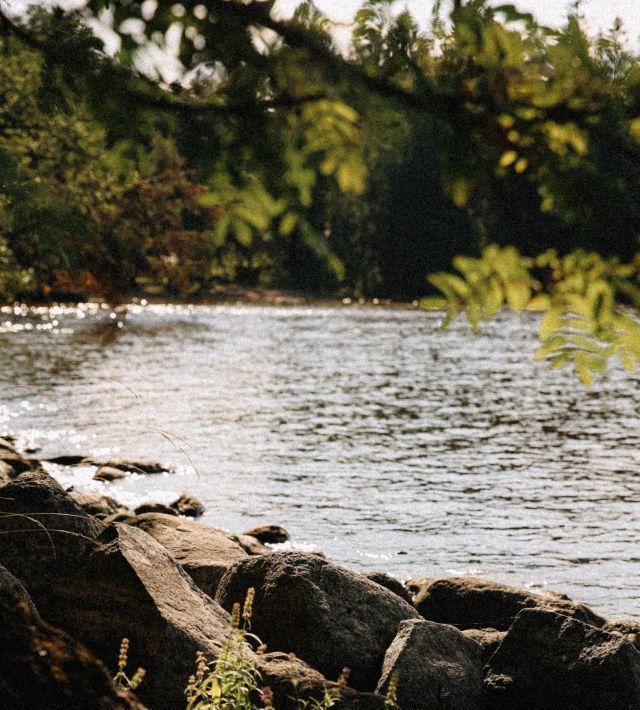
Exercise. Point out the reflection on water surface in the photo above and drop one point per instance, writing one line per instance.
(366, 432)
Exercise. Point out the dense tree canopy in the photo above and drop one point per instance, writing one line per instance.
(170, 146)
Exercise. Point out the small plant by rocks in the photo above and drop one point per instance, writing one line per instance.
(391, 698)
(121, 679)
(232, 681)
(330, 697)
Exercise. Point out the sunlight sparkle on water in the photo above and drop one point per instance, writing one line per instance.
(367, 432)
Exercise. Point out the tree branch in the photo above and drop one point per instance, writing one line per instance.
(450, 108)
(147, 93)
(297, 35)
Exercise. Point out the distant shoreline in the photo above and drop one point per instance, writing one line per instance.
(231, 294)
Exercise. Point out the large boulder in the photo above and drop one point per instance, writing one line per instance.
(42, 526)
(437, 667)
(131, 587)
(472, 603)
(549, 661)
(326, 615)
(42, 668)
(104, 584)
(205, 553)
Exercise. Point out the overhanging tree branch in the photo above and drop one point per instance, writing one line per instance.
(148, 94)
(451, 108)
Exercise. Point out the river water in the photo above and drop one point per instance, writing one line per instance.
(365, 431)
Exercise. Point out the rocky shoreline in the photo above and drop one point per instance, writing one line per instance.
(79, 572)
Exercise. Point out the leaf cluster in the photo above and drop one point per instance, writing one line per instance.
(582, 325)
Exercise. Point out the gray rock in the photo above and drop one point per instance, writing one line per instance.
(11, 457)
(188, 506)
(109, 473)
(282, 672)
(438, 667)
(97, 504)
(489, 639)
(129, 586)
(151, 507)
(42, 525)
(69, 460)
(43, 668)
(7, 472)
(472, 603)
(326, 615)
(249, 544)
(205, 553)
(135, 465)
(391, 583)
(104, 584)
(272, 534)
(549, 661)
(416, 585)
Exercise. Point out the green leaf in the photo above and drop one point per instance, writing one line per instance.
(551, 322)
(288, 223)
(518, 294)
(585, 375)
(550, 347)
(243, 232)
(508, 158)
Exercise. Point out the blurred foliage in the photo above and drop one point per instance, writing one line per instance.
(586, 303)
(80, 214)
(170, 146)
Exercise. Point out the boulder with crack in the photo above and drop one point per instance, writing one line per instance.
(325, 614)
